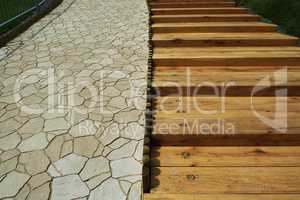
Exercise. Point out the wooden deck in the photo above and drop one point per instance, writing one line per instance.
(226, 111)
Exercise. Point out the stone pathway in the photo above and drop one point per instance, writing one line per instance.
(72, 102)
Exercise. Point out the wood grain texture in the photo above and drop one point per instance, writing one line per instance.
(265, 156)
(229, 180)
(221, 197)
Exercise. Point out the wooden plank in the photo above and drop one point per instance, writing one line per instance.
(221, 197)
(231, 56)
(222, 39)
(225, 180)
(204, 18)
(180, 104)
(166, 156)
(192, 5)
(187, 1)
(182, 11)
(194, 76)
(212, 27)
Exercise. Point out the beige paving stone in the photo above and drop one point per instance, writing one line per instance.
(36, 142)
(54, 148)
(33, 126)
(128, 116)
(40, 193)
(8, 126)
(94, 167)
(84, 128)
(38, 180)
(68, 188)
(111, 185)
(35, 162)
(9, 142)
(67, 148)
(82, 42)
(97, 180)
(56, 124)
(85, 146)
(125, 167)
(123, 152)
(11, 184)
(135, 192)
(8, 166)
(70, 164)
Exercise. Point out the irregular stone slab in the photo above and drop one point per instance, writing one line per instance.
(35, 162)
(8, 166)
(135, 192)
(38, 180)
(56, 124)
(126, 117)
(33, 126)
(54, 148)
(125, 167)
(124, 151)
(35, 142)
(9, 142)
(84, 128)
(12, 183)
(70, 164)
(8, 126)
(94, 167)
(68, 188)
(109, 190)
(40, 193)
(97, 180)
(85, 146)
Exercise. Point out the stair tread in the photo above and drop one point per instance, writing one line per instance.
(226, 52)
(216, 36)
(264, 156)
(213, 24)
(221, 197)
(245, 116)
(215, 8)
(192, 4)
(225, 180)
(193, 76)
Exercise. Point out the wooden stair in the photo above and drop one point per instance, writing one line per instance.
(226, 104)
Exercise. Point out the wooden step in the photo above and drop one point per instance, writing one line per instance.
(237, 173)
(265, 156)
(236, 180)
(226, 120)
(213, 27)
(204, 18)
(185, 81)
(227, 56)
(221, 197)
(188, 1)
(183, 11)
(192, 4)
(222, 39)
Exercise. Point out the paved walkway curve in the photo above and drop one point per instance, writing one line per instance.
(72, 101)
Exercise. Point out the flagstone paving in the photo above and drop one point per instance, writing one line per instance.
(72, 102)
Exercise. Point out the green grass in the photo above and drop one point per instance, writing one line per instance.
(11, 8)
(285, 13)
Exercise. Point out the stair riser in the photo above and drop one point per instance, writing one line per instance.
(227, 140)
(231, 91)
